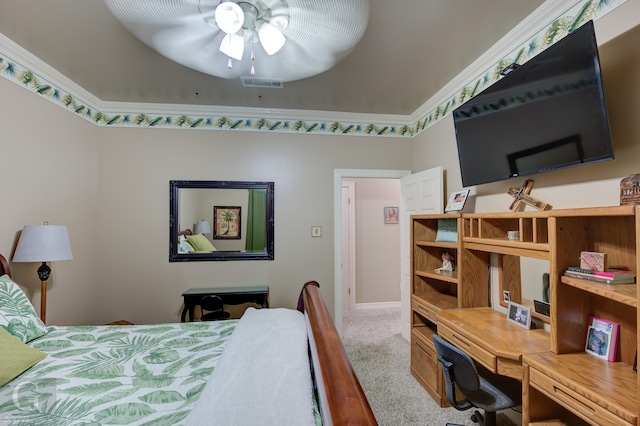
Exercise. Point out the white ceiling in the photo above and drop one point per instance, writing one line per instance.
(410, 50)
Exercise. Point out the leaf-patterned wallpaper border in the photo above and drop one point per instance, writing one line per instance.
(581, 12)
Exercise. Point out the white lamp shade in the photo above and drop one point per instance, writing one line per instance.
(233, 46)
(229, 17)
(271, 38)
(43, 243)
(202, 227)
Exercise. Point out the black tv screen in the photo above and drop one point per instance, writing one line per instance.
(545, 115)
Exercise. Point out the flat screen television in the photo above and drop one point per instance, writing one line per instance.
(545, 115)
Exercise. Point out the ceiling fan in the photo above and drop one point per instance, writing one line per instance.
(284, 40)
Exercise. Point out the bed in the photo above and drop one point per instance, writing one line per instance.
(178, 373)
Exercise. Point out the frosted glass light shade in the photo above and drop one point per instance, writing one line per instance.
(229, 17)
(43, 243)
(271, 38)
(233, 46)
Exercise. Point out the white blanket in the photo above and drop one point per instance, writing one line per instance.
(263, 376)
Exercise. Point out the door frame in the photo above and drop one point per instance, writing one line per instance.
(350, 185)
(338, 175)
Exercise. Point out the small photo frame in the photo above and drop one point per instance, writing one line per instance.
(598, 342)
(519, 315)
(506, 296)
(391, 214)
(457, 201)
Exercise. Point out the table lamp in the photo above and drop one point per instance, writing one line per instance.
(43, 243)
(202, 227)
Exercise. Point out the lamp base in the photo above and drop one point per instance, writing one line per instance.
(44, 272)
(43, 301)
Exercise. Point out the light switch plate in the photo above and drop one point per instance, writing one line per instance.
(316, 231)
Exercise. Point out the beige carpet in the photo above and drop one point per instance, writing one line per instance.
(380, 356)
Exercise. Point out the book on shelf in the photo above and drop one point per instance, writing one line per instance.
(602, 337)
(609, 273)
(608, 277)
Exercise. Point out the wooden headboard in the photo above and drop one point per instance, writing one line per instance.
(4, 266)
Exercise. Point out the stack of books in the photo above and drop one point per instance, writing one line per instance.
(611, 276)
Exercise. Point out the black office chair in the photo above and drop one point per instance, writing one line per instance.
(212, 308)
(487, 391)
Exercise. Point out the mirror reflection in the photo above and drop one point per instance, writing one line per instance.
(525, 280)
(221, 220)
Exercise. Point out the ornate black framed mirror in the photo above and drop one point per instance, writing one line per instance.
(220, 220)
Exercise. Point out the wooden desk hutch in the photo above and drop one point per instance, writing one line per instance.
(562, 385)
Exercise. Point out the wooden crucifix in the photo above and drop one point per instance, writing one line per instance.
(521, 198)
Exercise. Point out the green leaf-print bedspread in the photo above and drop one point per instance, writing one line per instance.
(116, 375)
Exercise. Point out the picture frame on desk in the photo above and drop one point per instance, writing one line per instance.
(598, 343)
(519, 315)
(457, 201)
(602, 338)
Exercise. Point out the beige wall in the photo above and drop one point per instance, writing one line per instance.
(138, 283)
(111, 187)
(50, 173)
(377, 243)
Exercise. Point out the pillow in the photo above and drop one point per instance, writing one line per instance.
(17, 314)
(15, 357)
(447, 231)
(184, 246)
(200, 243)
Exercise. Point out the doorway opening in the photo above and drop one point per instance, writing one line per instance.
(339, 176)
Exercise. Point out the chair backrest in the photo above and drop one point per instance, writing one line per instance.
(458, 369)
(211, 302)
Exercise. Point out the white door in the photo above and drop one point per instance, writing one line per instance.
(422, 193)
(348, 246)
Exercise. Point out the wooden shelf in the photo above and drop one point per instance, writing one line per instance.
(506, 246)
(622, 293)
(449, 276)
(440, 244)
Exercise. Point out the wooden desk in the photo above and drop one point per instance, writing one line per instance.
(229, 295)
(487, 336)
(578, 384)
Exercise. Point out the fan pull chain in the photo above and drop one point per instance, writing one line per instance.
(253, 43)
(229, 64)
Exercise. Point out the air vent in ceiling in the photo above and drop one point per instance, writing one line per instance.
(261, 82)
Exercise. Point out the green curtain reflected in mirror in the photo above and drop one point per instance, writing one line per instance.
(257, 221)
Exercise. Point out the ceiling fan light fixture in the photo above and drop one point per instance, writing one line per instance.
(233, 46)
(270, 37)
(229, 17)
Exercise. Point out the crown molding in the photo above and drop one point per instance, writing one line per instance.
(528, 36)
(540, 18)
(25, 69)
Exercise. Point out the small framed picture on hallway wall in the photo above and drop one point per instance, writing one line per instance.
(391, 214)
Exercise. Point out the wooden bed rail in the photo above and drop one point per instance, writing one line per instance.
(342, 400)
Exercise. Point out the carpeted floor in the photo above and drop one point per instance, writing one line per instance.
(380, 356)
